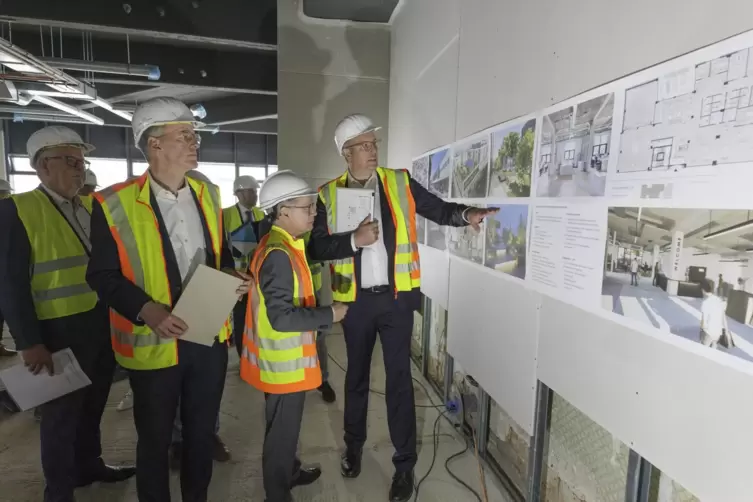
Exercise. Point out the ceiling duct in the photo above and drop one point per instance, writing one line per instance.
(149, 71)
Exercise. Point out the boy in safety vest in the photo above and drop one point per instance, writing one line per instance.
(279, 346)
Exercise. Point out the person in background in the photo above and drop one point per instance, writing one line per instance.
(148, 236)
(376, 269)
(241, 223)
(5, 192)
(279, 350)
(49, 307)
(713, 316)
(90, 184)
(634, 272)
(657, 271)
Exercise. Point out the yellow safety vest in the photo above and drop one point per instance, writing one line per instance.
(273, 361)
(133, 223)
(233, 221)
(58, 258)
(315, 267)
(407, 273)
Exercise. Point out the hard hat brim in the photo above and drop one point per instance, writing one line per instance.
(307, 192)
(195, 123)
(367, 131)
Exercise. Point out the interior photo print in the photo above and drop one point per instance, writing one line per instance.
(683, 271)
(512, 157)
(575, 148)
(506, 239)
(420, 171)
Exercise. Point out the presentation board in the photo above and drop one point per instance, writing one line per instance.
(630, 204)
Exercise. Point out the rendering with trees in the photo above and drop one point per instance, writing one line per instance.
(512, 158)
(506, 239)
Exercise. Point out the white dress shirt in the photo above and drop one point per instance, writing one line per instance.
(374, 259)
(76, 214)
(183, 223)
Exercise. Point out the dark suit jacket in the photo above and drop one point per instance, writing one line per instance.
(106, 278)
(16, 301)
(323, 246)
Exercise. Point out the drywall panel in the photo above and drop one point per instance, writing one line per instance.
(435, 275)
(307, 45)
(400, 125)
(516, 57)
(677, 404)
(434, 102)
(422, 29)
(492, 333)
(308, 114)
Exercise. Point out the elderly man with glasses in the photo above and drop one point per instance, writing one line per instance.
(49, 307)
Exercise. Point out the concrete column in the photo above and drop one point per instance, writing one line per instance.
(654, 260)
(676, 270)
(3, 157)
(326, 70)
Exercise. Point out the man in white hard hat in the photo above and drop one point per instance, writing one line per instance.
(49, 307)
(242, 226)
(5, 191)
(376, 269)
(279, 347)
(148, 236)
(90, 184)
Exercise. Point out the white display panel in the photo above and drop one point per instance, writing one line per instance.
(681, 408)
(435, 274)
(492, 333)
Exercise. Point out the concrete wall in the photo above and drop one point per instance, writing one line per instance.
(459, 66)
(326, 70)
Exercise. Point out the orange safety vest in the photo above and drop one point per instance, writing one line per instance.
(133, 224)
(272, 361)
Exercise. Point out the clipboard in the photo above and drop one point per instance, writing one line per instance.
(353, 206)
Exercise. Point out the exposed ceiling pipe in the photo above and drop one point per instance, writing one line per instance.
(49, 117)
(149, 71)
(27, 110)
(246, 119)
(65, 107)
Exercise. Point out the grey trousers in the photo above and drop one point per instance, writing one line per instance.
(280, 463)
(321, 351)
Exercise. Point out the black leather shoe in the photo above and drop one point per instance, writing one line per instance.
(328, 393)
(306, 476)
(5, 351)
(402, 487)
(350, 464)
(108, 474)
(220, 453)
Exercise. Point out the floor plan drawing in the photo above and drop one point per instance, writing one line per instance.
(698, 116)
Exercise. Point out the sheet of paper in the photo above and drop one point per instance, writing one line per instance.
(29, 390)
(353, 206)
(206, 304)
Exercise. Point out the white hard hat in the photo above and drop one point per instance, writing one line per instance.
(52, 136)
(351, 127)
(245, 183)
(91, 179)
(161, 111)
(5, 186)
(282, 186)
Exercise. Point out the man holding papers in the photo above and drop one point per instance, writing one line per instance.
(49, 307)
(148, 236)
(376, 269)
(279, 346)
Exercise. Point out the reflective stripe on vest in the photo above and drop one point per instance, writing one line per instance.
(273, 361)
(58, 259)
(135, 229)
(396, 190)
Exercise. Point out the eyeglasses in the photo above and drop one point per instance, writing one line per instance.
(311, 208)
(367, 146)
(72, 161)
(187, 137)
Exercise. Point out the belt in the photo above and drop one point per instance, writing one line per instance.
(377, 290)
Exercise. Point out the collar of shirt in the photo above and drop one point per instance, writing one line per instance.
(164, 193)
(369, 183)
(59, 199)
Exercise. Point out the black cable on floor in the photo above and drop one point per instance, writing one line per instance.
(452, 474)
(435, 430)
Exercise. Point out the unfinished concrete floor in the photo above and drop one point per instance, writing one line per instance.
(241, 426)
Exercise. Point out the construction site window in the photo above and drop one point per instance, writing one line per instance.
(222, 175)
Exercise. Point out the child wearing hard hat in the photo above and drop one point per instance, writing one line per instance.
(279, 345)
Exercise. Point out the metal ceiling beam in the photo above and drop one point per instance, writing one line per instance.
(197, 66)
(232, 23)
